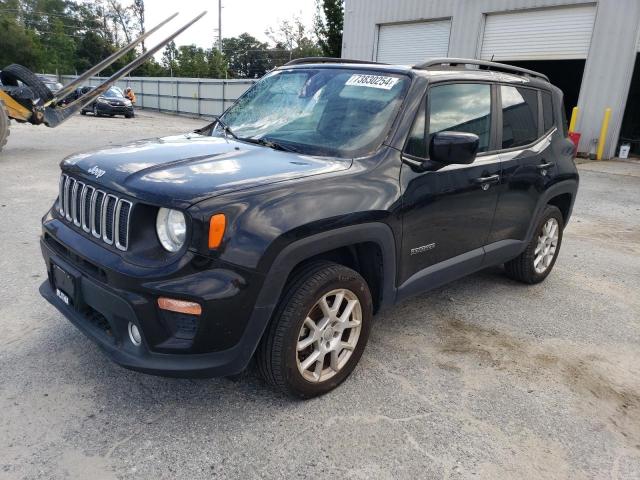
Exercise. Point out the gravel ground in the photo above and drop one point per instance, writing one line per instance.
(483, 378)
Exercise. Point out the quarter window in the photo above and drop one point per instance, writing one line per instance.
(417, 141)
(547, 111)
(519, 116)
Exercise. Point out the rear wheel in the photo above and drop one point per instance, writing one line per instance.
(319, 331)
(536, 262)
(14, 72)
(4, 125)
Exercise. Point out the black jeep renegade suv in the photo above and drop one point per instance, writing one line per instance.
(327, 191)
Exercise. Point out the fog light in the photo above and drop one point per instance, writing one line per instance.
(134, 335)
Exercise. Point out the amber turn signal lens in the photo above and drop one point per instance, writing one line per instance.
(217, 225)
(179, 306)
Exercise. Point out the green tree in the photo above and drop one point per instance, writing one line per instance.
(192, 61)
(91, 49)
(247, 56)
(18, 44)
(150, 68)
(292, 40)
(170, 58)
(329, 23)
(216, 63)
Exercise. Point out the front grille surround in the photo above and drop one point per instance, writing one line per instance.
(95, 211)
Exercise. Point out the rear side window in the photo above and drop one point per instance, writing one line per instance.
(461, 107)
(547, 111)
(519, 116)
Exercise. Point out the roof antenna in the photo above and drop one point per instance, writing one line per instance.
(489, 66)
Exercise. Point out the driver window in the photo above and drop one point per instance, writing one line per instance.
(458, 107)
(461, 107)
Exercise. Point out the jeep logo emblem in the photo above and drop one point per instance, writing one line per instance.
(96, 172)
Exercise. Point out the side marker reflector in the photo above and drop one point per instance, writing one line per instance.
(179, 306)
(217, 225)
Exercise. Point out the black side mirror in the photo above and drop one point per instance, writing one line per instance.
(449, 148)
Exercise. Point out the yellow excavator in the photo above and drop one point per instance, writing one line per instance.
(25, 98)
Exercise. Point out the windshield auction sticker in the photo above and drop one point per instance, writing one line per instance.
(373, 81)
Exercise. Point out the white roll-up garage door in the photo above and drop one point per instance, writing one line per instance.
(411, 43)
(550, 34)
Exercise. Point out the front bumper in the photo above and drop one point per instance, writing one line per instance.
(106, 300)
(107, 109)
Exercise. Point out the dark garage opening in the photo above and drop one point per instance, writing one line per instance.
(564, 74)
(630, 131)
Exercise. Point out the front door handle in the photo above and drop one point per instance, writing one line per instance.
(487, 180)
(545, 166)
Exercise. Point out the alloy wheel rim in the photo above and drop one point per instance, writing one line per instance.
(329, 335)
(547, 245)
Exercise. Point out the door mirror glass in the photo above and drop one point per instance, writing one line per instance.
(449, 148)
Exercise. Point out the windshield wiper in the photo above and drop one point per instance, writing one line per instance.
(270, 143)
(226, 130)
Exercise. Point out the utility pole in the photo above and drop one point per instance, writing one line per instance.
(220, 25)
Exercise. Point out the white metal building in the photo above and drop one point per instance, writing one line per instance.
(588, 49)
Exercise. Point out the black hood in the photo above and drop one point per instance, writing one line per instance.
(184, 169)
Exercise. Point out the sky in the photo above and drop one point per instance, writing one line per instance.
(238, 16)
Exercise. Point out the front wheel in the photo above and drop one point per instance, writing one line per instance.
(319, 331)
(536, 262)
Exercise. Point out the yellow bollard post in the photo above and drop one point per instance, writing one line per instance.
(574, 119)
(603, 133)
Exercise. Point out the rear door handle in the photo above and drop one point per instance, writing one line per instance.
(487, 180)
(545, 166)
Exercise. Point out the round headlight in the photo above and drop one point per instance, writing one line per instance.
(172, 229)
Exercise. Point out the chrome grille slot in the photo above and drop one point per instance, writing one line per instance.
(87, 202)
(61, 197)
(78, 190)
(102, 214)
(108, 217)
(123, 210)
(68, 194)
(96, 218)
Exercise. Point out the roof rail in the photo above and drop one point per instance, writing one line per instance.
(481, 64)
(299, 61)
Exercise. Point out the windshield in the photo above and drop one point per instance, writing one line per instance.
(113, 92)
(326, 111)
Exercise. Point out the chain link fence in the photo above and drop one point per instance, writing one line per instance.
(183, 96)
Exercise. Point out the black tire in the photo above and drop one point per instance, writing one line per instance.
(522, 267)
(128, 115)
(14, 72)
(276, 356)
(4, 125)
(83, 112)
